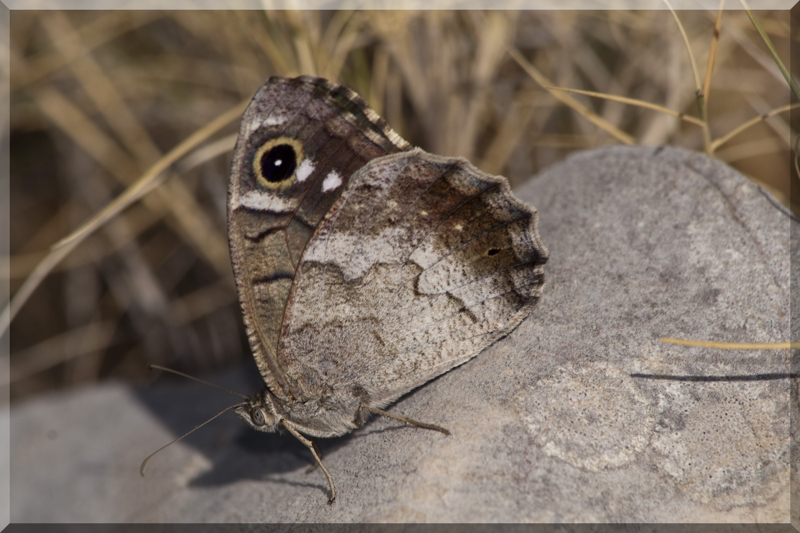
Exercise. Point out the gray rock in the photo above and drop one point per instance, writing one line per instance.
(581, 414)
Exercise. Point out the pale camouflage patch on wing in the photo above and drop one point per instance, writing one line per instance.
(422, 263)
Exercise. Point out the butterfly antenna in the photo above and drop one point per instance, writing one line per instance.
(220, 387)
(147, 459)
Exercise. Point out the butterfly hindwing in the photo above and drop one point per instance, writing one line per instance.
(422, 262)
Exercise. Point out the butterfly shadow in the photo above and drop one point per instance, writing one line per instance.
(257, 456)
(265, 456)
(235, 451)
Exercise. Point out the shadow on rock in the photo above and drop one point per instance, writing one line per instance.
(236, 451)
(258, 456)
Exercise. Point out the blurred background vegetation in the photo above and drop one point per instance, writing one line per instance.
(98, 98)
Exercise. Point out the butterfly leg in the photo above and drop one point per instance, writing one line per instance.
(310, 445)
(405, 419)
(314, 465)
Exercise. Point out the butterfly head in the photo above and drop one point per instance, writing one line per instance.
(259, 412)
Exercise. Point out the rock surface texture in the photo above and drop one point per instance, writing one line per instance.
(580, 414)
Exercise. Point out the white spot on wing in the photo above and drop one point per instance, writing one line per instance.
(304, 170)
(264, 201)
(258, 122)
(332, 181)
(274, 120)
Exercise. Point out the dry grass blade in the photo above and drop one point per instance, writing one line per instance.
(137, 140)
(265, 42)
(512, 128)
(146, 183)
(46, 234)
(380, 75)
(733, 345)
(772, 51)
(208, 152)
(688, 46)
(781, 127)
(105, 150)
(634, 102)
(750, 123)
(712, 54)
(334, 29)
(305, 39)
(53, 351)
(23, 264)
(393, 30)
(341, 47)
(93, 35)
(494, 29)
(598, 121)
(86, 134)
(202, 302)
(30, 284)
(749, 149)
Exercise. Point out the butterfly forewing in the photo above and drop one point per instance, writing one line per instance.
(300, 142)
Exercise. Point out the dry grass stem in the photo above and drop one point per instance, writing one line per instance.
(733, 345)
(137, 190)
(509, 134)
(378, 84)
(23, 264)
(712, 55)
(50, 352)
(750, 123)
(93, 35)
(746, 150)
(582, 110)
(206, 153)
(150, 179)
(774, 53)
(202, 302)
(176, 197)
(685, 38)
(341, 47)
(633, 102)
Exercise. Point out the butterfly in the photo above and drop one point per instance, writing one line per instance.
(364, 267)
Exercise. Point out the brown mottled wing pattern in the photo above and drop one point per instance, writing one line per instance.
(422, 263)
(269, 227)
